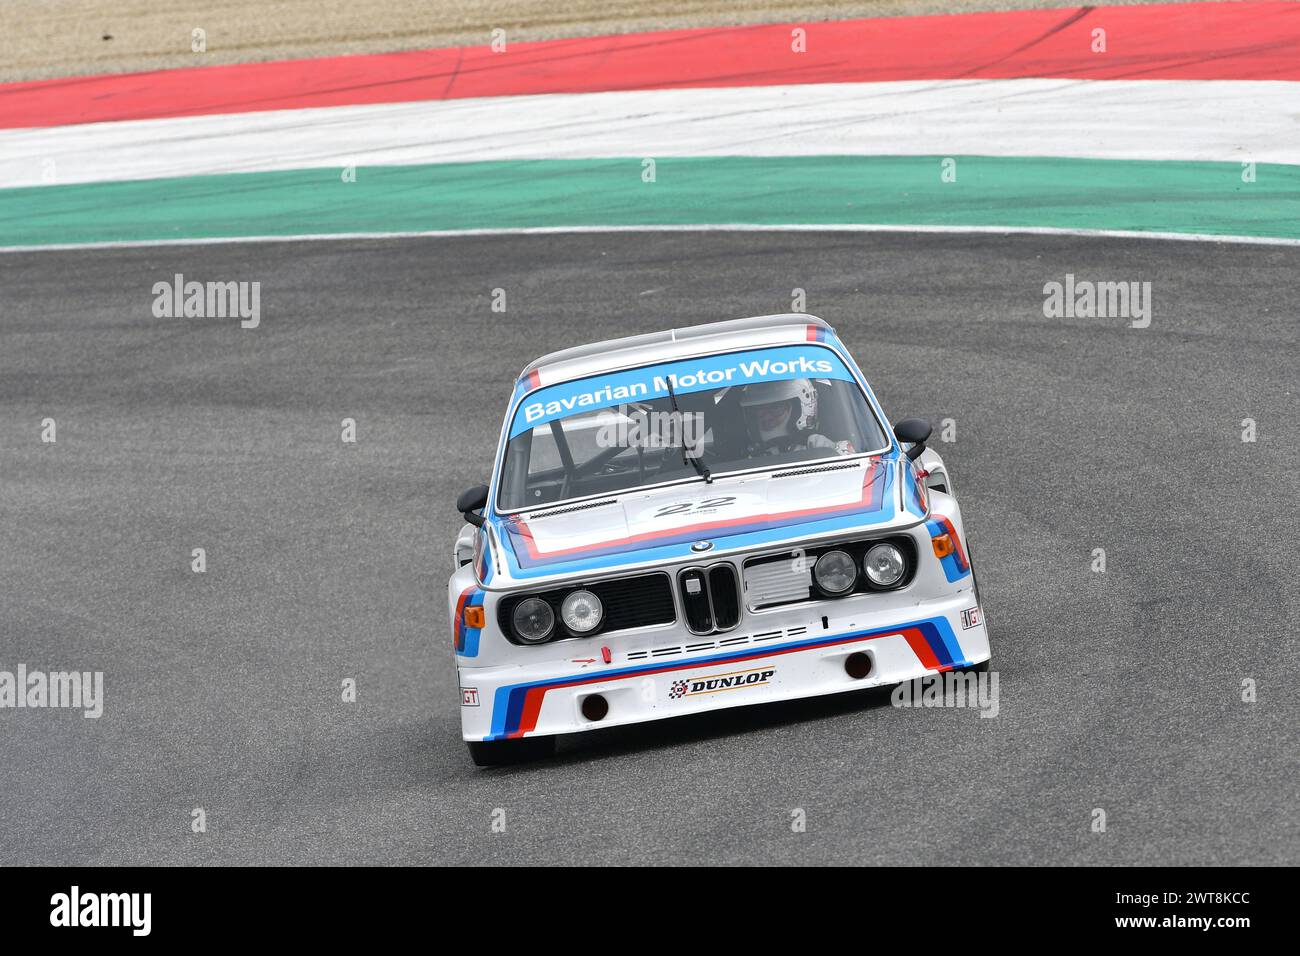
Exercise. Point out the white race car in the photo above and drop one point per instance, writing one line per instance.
(696, 519)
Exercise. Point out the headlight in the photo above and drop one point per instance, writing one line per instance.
(581, 612)
(534, 620)
(835, 572)
(884, 565)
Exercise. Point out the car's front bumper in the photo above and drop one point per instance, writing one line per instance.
(796, 652)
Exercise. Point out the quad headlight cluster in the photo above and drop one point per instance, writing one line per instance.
(586, 609)
(883, 564)
(534, 619)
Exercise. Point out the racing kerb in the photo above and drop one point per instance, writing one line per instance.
(1102, 119)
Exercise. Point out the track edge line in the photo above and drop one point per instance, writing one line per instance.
(697, 227)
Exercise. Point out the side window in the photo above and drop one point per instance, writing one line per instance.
(836, 415)
(545, 456)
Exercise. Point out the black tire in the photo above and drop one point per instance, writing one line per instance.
(501, 753)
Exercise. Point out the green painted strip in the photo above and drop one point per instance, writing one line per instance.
(1186, 197)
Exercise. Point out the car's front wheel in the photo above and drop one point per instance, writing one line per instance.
(499, 753)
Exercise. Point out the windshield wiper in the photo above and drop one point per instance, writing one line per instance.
(700, 467)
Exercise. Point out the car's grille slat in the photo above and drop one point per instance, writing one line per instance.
(695, 601)
(635, 602)
(778, 582)
(726, 596)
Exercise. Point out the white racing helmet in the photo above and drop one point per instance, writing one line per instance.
(779, 410)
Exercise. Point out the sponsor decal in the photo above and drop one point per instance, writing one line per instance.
(971, 617)
(469, 696)
(717, 683)
(692, 375)
(707, 506)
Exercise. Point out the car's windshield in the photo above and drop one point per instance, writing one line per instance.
(734, 412)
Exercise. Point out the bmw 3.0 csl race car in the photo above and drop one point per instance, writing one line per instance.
(695, 519)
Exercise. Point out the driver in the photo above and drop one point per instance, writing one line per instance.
(782, 416)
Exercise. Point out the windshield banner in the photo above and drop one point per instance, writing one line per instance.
(689, 375)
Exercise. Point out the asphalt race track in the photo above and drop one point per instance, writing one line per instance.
(1119, 690)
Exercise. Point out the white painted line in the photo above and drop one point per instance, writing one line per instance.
(1188, 120)
(709, 227)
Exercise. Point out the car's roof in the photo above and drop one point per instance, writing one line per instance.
(673, 344)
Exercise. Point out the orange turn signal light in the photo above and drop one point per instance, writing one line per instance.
(942, 546)
(474, 617)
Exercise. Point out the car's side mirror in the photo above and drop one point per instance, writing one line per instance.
(913, 431)
(471, 502)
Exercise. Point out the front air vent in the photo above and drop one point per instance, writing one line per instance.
(573, 508)
(815, 471)
(726, 643)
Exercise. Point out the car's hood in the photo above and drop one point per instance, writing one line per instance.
(645, 528)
